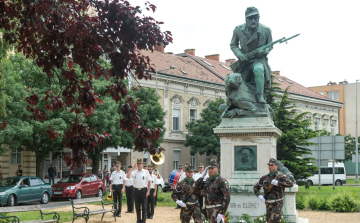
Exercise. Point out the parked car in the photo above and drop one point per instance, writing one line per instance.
(15, 190)
(78, 185)
(326, 174)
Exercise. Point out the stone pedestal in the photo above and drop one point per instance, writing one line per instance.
(289, 211)
(247, 144)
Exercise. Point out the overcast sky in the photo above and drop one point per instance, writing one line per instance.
(328, 48)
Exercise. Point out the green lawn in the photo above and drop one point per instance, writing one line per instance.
(164, 200)
(326, 191)
(352, 181)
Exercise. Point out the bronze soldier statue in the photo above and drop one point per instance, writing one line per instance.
(274, 185)
(253, 67)
(186, 194)
(216, 191)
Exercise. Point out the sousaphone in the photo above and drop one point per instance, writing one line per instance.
(157, 159)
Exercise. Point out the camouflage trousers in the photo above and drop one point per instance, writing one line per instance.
(273, 212)
(212, 214)
(194, 211)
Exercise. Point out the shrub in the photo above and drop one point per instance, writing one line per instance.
(324, 204)
(344, 202)
(245, 218)
(314, 202)
(300, 203)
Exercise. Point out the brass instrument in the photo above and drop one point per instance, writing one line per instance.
(110, 196)
(157, 159)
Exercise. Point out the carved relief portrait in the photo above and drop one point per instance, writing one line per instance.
(245, 158)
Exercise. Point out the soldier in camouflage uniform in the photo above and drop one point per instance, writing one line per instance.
(274, 185)
(191, 207)
(216, 191)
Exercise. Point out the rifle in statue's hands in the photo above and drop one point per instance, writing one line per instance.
(266, 48)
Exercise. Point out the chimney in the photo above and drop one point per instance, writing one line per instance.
(190, 52)
(230, 61)
(276, 73)
(215, 57)
(331, 83)
(159, 48)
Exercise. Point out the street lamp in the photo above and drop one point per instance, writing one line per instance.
(356, 142)
(170, 68)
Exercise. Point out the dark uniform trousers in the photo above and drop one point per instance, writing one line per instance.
(130, 198)
(140, 198)
(212, 214)
(150, 203)
(191, 211)
(273, 211)
(117, 195)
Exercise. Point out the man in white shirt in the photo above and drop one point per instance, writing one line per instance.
(152, 195)
(118, 180)
(201, 170)
(142, 181)
(129, 193)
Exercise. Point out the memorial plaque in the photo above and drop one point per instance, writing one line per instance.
(245, 158)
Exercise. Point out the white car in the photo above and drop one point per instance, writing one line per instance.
(326, 174)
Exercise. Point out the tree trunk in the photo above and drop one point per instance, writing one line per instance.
(95, 155)
(39, 165)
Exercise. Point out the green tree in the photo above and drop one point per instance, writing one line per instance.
(350, 146)
(23, 132)
(106, 118)
(291, 145)
(201, 137)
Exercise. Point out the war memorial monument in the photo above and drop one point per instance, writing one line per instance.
(247, 132)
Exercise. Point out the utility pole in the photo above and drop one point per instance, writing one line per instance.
(356, 142)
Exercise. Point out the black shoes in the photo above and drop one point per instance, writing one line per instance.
(151, 217)
(127, 211)
(132, 211)
(118, 215)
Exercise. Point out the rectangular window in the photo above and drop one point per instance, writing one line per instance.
(208, 160)
(16, 157)
(339, 170)
(334, 95)
(176, 119)
(193, 162)
(193, 115)
(176, 158)
(316, 125)
(326, 170)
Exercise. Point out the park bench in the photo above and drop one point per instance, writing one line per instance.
(85, 213)
(15, 219)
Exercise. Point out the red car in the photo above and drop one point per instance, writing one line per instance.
(77, 185)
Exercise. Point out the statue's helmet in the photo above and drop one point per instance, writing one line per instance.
(250, 11)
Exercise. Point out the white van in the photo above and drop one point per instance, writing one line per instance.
(327, 175)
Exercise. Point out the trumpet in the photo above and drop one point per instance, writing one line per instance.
(110, 196)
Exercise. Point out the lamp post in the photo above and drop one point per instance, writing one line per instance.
(170, 68)
(356, 142)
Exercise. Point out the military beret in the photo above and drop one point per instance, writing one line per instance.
(272, 161)
(201, 165)
(189, 168)
(180, 166)
(139, 161)
(250, 11)
(129, 167)
(118, 163)
(213, 163)
(145, 164)
(150, 167)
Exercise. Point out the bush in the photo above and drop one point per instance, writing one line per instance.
(324, 204)
(344, 202)
(301, 183)
(314, 202)
(300, 203)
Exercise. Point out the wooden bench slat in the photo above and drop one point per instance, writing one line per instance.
(20, 209)
(87, 200)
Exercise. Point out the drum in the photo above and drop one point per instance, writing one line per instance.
(174, 177)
